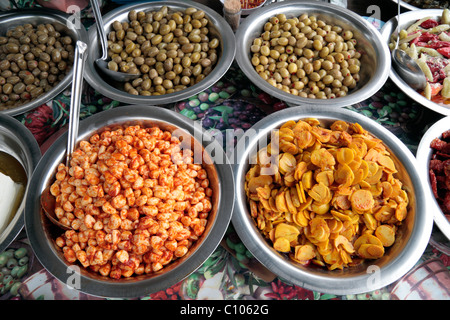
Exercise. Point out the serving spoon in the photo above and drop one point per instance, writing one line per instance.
(101, 62)
(48, 201)
(405, 66)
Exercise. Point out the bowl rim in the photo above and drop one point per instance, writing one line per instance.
(134, 287)
(95, 79)
(390, 27)
(62, 18)
(345, 14)
(423, 156)
(334, 282)
(26, 140)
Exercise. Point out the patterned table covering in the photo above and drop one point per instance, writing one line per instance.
(231, 273)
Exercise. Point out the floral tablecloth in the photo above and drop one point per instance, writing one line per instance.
(231, 273)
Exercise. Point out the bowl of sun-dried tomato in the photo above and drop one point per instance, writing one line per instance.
(433, 154)
(147, 197)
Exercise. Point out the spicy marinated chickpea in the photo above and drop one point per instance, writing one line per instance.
(131, 208)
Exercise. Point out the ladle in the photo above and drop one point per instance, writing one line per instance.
(405, 66)
(48, 201)
(101, 62)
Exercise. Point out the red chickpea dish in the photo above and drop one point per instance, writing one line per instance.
(134, 199)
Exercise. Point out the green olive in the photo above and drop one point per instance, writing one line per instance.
(112, 65)
(3, 260)
(354, 68)
(12, 47)
(7, 88)
(19, 88)
(156, 39)
(11, 263)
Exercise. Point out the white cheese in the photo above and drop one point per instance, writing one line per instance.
(11, 194)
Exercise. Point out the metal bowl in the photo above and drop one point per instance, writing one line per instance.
(64, 23)
(114, 90)
(390, 27)
(17, 141)
(423, 155)
(370, 275)
(375, 60)
(42, 233)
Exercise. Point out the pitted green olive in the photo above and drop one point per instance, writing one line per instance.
(171, 49)
(306, 56)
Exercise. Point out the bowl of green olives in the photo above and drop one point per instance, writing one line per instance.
(179, 48)
(36, 57)
(312, 53)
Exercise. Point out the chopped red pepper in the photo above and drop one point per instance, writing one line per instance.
(445, 51)
(421, 44)
(425, 37)
(430, 23)
(437, 66)
(437, 44)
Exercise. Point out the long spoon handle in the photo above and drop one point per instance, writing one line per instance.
(75, 99)
(100, 30)
(398, 24)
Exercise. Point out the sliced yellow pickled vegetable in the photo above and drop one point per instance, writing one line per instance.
(332, 198)
(386, 234)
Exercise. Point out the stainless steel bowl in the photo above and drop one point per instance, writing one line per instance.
(114, 90)
(64, 23)
(398, 259)
(390, 27)
(423, 155)
(42, 233)
(375, 60)
(17, 141)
